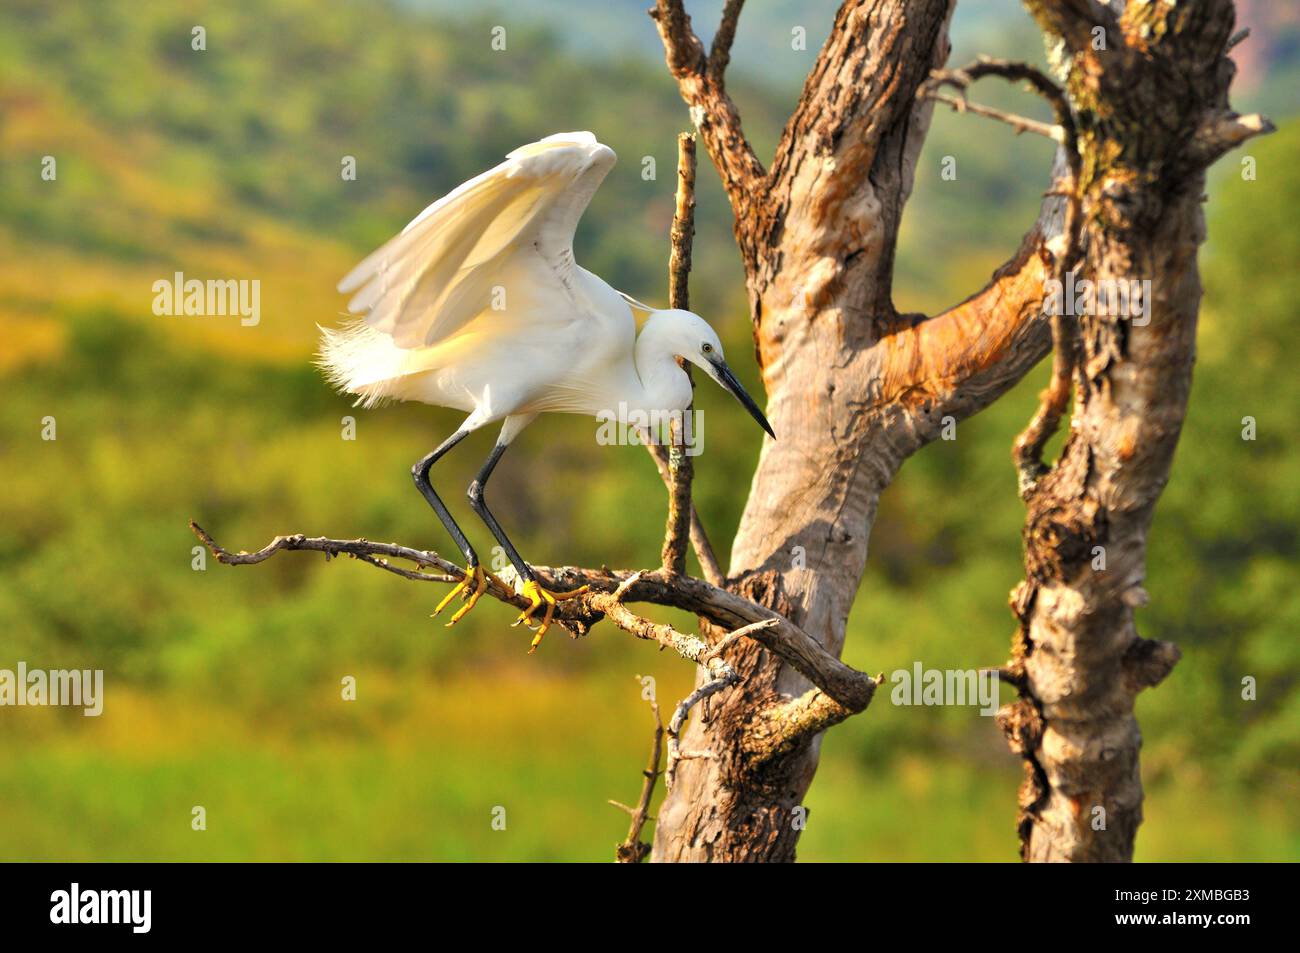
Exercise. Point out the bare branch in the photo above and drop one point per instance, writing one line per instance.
(1027, 451)
(1039, 81)
(779, 728)
(633, 850)
(1224, 132)
(681, 469)
(1028, 448)
(682, 235)
(1019, 123)
(699, 538)
(682, 48)
(722, 675)
(711, 687)
(780, 636)
(962, 359)
(699, 82)
(690, 647)
(720, 53)
(965, 357)
(361, 549)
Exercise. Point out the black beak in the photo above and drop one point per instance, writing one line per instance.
(722, 374)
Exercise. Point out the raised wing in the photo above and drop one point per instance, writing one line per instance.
(438, 274)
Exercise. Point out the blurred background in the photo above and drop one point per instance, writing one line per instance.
(223, 685)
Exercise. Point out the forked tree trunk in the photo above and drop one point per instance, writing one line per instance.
(854, 387)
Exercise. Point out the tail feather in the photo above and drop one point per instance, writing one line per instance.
(357, 359)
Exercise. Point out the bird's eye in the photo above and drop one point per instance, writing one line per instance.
(708, 348)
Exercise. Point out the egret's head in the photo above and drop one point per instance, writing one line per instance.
(694, 340)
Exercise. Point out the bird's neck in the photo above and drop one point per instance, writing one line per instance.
(665, 386)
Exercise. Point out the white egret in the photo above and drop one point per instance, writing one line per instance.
(478, 305)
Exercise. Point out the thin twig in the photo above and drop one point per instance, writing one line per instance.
(722, 675)
(1027, 451)
(1020, 123)
(675, 754)
(362, 549)
(1040, 82)
(633, 850)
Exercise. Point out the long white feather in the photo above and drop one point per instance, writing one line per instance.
(439, 274)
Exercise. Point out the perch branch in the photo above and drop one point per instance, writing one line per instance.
(846, 685)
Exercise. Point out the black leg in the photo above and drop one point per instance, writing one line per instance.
(479, 504)
(421, 473)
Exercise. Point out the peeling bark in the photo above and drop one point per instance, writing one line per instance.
(1161, 84)
(854, 388)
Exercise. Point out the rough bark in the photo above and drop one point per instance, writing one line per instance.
(1160, 85)
(854, 387)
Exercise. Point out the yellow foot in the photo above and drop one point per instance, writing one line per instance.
(537, 597)
(469, 589)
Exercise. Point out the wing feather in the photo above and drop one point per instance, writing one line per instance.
(438, 274)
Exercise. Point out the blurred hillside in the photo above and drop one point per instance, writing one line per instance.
(764, 52)
(223, 684)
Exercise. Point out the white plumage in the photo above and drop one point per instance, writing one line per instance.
(479, 305)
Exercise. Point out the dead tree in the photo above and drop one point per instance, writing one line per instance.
(855, 387)
(1149, 85)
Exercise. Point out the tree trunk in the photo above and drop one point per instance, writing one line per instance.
(854, 387)
(1155, 113)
